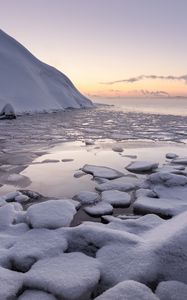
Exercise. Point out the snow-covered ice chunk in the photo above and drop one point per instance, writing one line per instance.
(36, 295)
(70, 276)
(173, 192)
(171, 290)
(10, 283)
(163, 206)
(51, 214)
(99, 209)
(167, 179)
(124, 260)
(100, 171)
(116, 198)
(76, 203)
(11, 196)
(7, 214)
(123, 184)
(67, 159)
(136, 226)
(47, 161)
(20, 217)
(86, 197)
(17, 206)
(171, 155)
(128, 290)
(89, 142)
(34, 245)
(169, 243)
(117, 149)
(142, 166)
(175, 169)
(145, 193)
(180, 161)
(79, 174)
(21, 198)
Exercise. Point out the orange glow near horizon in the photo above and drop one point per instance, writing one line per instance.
(143, 88)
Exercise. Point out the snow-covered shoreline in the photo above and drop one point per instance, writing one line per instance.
(142, 257)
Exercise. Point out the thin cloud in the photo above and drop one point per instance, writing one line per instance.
(142, 77)
(155, 93)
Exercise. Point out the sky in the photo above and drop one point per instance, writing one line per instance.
(108, 48)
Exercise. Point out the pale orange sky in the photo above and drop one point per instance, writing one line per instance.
(105, 40)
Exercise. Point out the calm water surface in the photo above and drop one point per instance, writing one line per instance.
(172, 106)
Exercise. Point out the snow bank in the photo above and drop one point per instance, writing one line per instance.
(27, 84)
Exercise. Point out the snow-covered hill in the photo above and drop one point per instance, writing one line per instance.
(31, 85)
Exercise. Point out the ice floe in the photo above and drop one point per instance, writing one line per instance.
(162, 206)
(117, 149)
(116, 198)
(35, 244)
(51, 214)
(86, 197)
(100, 171)
(123, 184)
(89, 142)
(141, 166)
(171, 290)
(171, 155)
(99, 209)
(70, 276)
(180, 161)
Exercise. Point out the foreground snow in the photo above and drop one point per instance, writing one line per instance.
(141, 257)
(30, 85)
(41, 257)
